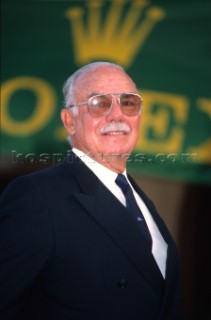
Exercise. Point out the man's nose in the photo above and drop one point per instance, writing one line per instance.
(115, 111)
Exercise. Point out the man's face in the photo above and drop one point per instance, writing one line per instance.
(87, 132)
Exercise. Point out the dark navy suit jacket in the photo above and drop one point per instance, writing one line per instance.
(69, 250)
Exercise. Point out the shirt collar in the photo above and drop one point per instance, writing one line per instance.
(106, 175)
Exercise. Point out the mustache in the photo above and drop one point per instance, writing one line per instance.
(115, 126)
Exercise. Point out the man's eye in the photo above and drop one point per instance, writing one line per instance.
(102, 102)
(127, 103)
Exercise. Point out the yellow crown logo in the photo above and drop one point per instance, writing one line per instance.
(111, 35)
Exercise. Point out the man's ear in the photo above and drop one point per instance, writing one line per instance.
(68, 121)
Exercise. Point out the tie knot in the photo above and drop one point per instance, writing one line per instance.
(121, 181)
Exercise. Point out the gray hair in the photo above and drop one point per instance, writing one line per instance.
(69, 85)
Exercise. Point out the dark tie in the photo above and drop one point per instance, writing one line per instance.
(133, 207)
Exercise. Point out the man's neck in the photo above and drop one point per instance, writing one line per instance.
(116, 163)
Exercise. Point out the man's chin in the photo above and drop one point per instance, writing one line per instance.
(116, 155)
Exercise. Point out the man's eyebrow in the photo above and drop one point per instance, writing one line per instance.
(93, 94)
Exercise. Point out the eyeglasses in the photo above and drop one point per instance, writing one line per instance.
(100, 105)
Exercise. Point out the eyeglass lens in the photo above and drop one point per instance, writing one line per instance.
(100, 105)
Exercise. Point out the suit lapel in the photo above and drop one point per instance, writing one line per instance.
(161, 225)
(114, 219)
(172, 280)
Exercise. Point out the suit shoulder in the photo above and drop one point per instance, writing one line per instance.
(51, 178)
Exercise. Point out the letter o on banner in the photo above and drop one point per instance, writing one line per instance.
(45, 106)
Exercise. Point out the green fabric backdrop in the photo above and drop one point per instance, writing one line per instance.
(165, 46)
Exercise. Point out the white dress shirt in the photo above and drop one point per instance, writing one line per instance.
(108, 177)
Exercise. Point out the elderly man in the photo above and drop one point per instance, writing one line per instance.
(81, 241)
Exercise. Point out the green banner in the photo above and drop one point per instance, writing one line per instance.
(164, 46)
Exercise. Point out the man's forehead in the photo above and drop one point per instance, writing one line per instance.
(102, 77)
